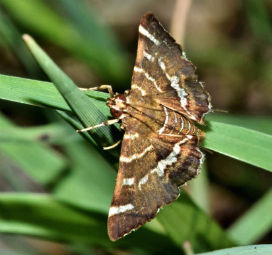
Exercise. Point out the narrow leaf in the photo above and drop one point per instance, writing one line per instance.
(35, 158)
(38, 16)
(255, 223)
(184, 221)
(86, 111)
(262, 249)
(45, 217)
(245, 144)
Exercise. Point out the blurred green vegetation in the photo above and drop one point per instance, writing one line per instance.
(60, 183)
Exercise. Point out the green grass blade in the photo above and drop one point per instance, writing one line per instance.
(13, 40)
(255, 223)
(241, 137)
(198, 189)
(90, 182)
(262, 249)
(48, 134)
(86, 111)
(35, 158)
(103, 44)
(259, 123)
(259, 19)
(42, 164)
(37, 16)
(245, 144)
(43, 94)
(184, 221)
(45, 217)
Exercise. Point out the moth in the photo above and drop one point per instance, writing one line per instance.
(159, 113)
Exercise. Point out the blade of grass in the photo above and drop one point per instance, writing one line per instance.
(184, 221)
(36, 15)
(12, 38)
(262, 249)
(245, 144)
(239, 137)
(45, 217)
(198, 189)
(48, 134)
(40, 93)
(99, 37)
(35, 158)
(91, 179)
(259, 123)
(255, 223)
(259, 19)
(86, 111)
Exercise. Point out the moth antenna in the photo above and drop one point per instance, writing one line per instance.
(101, 87)
(105, 123)
(112, 146)
(219, 110)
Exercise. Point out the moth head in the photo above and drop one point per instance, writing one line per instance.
(117, 105)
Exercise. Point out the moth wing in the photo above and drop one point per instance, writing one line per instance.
(162, 71)
(151, 169)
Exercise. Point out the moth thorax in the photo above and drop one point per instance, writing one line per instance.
(117, 105)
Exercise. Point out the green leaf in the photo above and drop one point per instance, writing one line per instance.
(245, 144)
(184, 221)
(258, 123)
(42, 94)
(85, 110)
(263, 249)
(41, 215)
(38, 16)
(13, 40)
(259, 19)
(241, 137)
(45, 217)
(90, 181)
(35, 158)
(255, 223)
(198, 189)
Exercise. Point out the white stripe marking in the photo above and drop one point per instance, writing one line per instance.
(142, 181)
(189, 127)
(128, 181)
(144, 32)
(136, 155)
(181, 124)
(140, 70)
(175, 85)
(135, 86)
(202, 156)
(120, 209)
(201, 160)
(161, 64)
(184, 55)
(148, 56)
(209, 105)
(171, 158)
(131, 136)
(165, 121)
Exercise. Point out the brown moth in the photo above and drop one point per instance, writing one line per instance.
(160, 145)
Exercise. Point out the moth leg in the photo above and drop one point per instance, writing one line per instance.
(101, 87)
(105, 123)
(112, 146)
